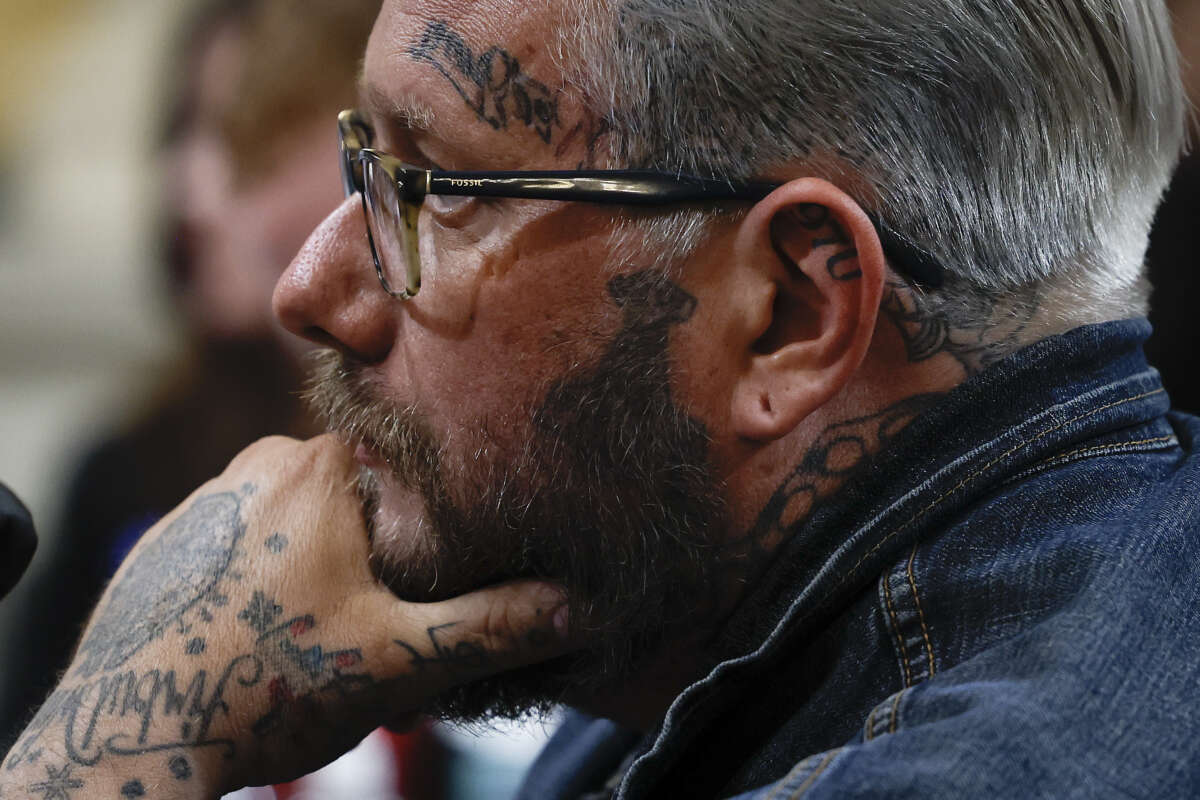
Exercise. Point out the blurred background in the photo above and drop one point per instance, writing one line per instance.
(145, 208)
(160, 163)
(85, 322)
(86, 327)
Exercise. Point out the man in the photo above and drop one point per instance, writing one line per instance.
(853, 478)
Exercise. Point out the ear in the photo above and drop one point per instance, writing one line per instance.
(823, 268)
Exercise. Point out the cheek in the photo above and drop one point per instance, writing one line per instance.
(489, 350)
(705, 362)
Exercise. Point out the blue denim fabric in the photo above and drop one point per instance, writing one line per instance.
(1004, 603)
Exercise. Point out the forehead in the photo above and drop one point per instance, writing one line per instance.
(480, 76)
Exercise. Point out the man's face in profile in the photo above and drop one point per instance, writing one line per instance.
(516, 418)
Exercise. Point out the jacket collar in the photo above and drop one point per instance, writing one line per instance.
(955, 450)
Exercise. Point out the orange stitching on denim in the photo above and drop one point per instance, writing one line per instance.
(912, 582)
(895, 708)
(811, 779)
(887, 599)
(970, 478)
(871, 724)
(1107, 448)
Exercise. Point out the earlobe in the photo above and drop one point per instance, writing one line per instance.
(818, 249)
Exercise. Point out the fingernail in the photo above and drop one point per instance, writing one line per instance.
(561, 617)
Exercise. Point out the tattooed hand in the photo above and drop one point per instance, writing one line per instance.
(245, 641)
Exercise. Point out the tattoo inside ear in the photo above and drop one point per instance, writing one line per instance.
(842, 264)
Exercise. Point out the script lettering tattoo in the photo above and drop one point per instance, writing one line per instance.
(167, 713)
(111, 706)
(491, 82)
(452, 659)
(982, 334)
(195, 551)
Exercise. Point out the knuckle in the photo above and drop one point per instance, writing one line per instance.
(262, 448)
(329, 454)
(500, 627)
(271, 444)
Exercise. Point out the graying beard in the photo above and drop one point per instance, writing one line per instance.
(417, 565)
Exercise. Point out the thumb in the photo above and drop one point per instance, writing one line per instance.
(474, 635)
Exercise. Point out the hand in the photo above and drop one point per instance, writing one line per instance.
(245, 641)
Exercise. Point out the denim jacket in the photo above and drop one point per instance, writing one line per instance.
(1005, 602)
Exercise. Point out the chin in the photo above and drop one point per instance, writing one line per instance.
(400, 533)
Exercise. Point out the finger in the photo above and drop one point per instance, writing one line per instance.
(324, 460)
(482, 633)
(323, 455)
(333, 454)
(264, 448)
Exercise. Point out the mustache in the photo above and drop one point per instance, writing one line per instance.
(352, 406)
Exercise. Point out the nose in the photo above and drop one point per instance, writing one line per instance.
(330, 294)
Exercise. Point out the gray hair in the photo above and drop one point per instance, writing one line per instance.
(1023, 143)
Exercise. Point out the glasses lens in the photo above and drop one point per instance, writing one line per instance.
(392, 226)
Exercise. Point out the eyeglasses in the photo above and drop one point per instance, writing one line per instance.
(393, 192)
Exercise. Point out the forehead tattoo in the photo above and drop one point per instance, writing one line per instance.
(490, 81)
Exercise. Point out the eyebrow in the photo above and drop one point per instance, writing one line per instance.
(408, 112)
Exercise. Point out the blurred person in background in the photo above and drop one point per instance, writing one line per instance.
(249, 168)
(127, 481)
(1175, 241)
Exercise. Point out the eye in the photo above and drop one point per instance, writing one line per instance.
(466, 213)
(447, 204)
